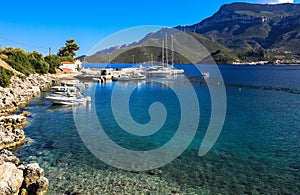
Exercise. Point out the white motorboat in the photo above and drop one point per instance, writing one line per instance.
(205, 74)
(124, 77)
(63, 89)
(71, 96)
(138, 76)
(73, 83)
(175, 71)
(67, 99)
(158, 72)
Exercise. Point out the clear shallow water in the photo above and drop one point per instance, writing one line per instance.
(257, 152)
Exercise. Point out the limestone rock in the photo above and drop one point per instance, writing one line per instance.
(26, 114)
(11, 178)
(21, 90)
(43, 185)
(34, 180)
(8, 156)
(10, 137)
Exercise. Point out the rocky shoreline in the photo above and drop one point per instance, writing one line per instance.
(21, 90)
(15, 177)
(20, 179)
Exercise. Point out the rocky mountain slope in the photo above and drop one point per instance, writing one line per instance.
(250, 26)
(238, 32)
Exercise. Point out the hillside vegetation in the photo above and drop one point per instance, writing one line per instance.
(139, 53)
(16, 61)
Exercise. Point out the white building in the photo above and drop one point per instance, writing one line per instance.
(70, 66)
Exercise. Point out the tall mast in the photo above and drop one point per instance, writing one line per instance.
(172, 47)
(167, 57)
(162, 53)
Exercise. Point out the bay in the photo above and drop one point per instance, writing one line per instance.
(258, 150)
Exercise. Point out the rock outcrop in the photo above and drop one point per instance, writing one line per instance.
(8, 156)
(34, 180)
(22, 179)
(11, 178)
(11, 132)
(21, 90)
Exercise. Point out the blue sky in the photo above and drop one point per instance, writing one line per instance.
(37, 25)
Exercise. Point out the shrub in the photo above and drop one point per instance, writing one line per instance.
(38, 62)
(5, 76)
(18, 59)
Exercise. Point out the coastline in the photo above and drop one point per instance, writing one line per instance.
(16, 177)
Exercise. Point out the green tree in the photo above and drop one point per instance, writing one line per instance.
(69, 49)
(53, 61)
(38, 62)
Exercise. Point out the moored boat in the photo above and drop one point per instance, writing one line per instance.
(205, 74)
(138, 76)
(124, 77)
(67, 95)
(65, 99)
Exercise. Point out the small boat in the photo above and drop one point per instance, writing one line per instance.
(175, 71)
(158, 72)
(100, 79)
(115, 78)
(69, 97)
(138, 76)
(66, 99)
(63, 89)
(205, 74)
(74, 83)
(124, 77)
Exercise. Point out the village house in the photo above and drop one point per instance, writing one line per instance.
(70, 66)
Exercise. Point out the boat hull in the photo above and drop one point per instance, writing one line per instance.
(67, 100)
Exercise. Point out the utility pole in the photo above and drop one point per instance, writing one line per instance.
(49, 51)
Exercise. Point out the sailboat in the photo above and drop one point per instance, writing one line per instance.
(159, 71)
(174, 70)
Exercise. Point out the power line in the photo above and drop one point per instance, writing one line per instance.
(23, 44)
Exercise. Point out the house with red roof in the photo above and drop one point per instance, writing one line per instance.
(68, 67)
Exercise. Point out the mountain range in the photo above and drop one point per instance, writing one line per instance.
(241, 32)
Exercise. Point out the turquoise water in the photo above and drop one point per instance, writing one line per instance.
(257, 152)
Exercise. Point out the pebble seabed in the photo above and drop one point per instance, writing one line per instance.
(219, 173)
(67, 177)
